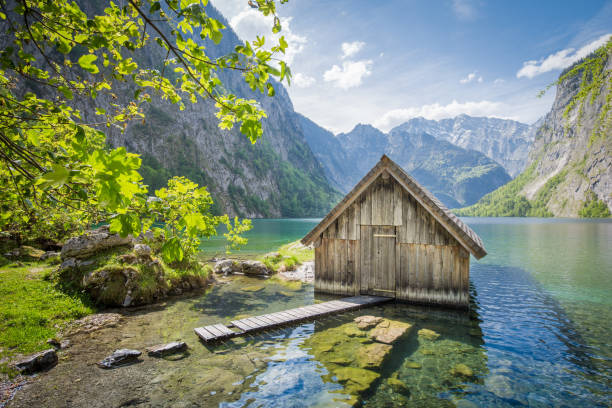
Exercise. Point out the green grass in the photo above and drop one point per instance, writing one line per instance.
(289, 256)
(33, 309)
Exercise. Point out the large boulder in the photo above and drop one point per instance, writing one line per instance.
(230, 266)
(127, 285)
(92, 242)
(255, 268)
(387, 331)
(119, 358)
(367, 322)
(37, 362)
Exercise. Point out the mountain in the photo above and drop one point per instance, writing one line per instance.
(569, 171)
(278, 176)
(456, 175)
(505, 141)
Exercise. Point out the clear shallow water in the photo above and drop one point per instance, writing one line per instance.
(265, 236)
(538, 334)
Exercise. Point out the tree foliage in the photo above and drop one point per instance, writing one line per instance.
(58, 173)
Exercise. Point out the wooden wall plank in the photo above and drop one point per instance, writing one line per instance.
(342, 223)
(366, 207)
(376, 202)
(387, 203)
(350, 225)
(366, 258)
(350, 267)
(317, 269)
(398, 203)
(357, 283)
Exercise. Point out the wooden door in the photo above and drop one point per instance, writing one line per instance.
(377, 260)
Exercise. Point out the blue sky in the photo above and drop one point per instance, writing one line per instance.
(384, 62)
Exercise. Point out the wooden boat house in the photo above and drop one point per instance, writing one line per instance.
(391, 237)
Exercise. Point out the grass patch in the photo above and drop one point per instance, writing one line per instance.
(33, 309)
(288, 257)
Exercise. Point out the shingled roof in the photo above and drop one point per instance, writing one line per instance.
(457, 228)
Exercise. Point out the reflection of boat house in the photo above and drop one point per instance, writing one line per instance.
(391, 237)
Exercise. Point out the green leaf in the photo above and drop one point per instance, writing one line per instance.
(87, 63)
(55, 178)
(172, 250)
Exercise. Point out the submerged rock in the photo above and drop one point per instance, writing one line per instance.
(367, 322)
(120, 357)
(94, 322)
(37, 362)
(387, 331)
(252, 288)
(413, 365)
(396, 384)
(355, 380)
(166, 349)
(461, 370)
(372, 355)
(428, 334)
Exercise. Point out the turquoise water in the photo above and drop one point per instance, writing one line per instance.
(265, 236)
(537, 334)
(541, 300)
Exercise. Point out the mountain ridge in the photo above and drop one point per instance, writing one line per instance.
(454, 174)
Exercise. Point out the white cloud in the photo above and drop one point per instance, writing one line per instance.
(352, 48)
(350, 75)
(499, 81)
(471, 77)
(464, 10)
(249, 23)
(302, 81)
(561, 59)
(436, 111)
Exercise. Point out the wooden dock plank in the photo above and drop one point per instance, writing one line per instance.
(225, 330)
(242, 325)
(267, 321)
(215, 331)
(204, 334)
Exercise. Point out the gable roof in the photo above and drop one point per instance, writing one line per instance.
(457, 228)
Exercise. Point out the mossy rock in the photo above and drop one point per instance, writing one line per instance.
(388, 331)
(428, 334)
(413, 364)
(397, 385)
(372, 355)
(252, 288)
(461, 370)
(355, 380)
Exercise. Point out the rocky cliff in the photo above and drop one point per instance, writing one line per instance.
(569, 170)
(278, 176)
(505, 141)
(456, 175)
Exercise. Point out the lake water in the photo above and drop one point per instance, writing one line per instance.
(538, 334)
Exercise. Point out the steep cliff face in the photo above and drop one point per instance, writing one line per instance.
(505, 141)
(565, 148)
(457, 176)
(569, 171)
(278, 176)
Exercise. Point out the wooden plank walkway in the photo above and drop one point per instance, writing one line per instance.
(257, 323)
